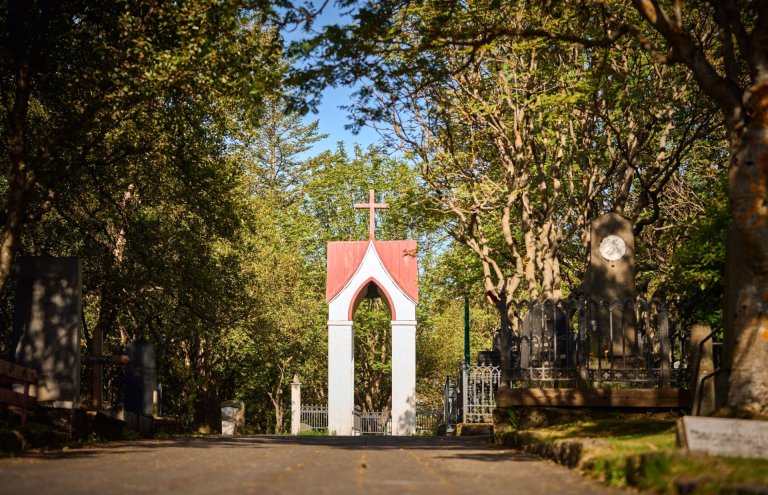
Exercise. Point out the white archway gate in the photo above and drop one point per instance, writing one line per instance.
(352, 267)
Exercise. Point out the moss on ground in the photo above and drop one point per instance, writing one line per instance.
(639, 451)
(676, 471)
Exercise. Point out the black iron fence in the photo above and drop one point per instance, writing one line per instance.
(575, 343)
(584, 343)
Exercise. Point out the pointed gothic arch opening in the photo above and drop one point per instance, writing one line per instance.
(372, 354)
(372, 289)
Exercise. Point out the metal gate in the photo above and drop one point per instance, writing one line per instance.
(371, 422)
(314, 418)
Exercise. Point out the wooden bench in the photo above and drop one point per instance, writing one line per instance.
(15, 374)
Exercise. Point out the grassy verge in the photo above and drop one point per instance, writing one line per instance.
(314, 433)
(638, 451)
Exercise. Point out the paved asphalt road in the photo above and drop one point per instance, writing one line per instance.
(301, 465)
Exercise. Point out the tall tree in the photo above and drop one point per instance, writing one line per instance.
(75, 71)
(115, 143)
(722, 44)
(523, 140)
(274, 153)
(283, 333)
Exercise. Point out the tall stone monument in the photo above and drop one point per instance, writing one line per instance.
(47, 311)
(360, 269)
(611, 277)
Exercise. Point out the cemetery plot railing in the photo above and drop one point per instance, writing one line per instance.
(583, 343)
(427, 420)
(314, 418)
(575, 350)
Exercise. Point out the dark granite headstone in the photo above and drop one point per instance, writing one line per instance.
(140, 378)
(489, 358)
(46, 325)
(544, 338)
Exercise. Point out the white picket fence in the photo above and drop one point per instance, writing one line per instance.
(368, 422)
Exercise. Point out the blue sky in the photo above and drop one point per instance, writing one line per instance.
(331, 118)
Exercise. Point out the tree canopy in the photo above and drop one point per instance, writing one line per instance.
(165, 145)
(638, 102)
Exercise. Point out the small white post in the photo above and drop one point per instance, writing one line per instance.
(295, 405)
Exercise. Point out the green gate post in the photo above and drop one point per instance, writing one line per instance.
(465, 375)
(466, 332)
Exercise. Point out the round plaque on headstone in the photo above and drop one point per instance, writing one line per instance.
(612, 247)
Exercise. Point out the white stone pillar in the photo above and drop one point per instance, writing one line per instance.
(403, 377)
(295, 405)
(341, 377)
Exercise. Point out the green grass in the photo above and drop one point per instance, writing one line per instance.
(315, 433)
(641, 451)
(131, 435)
(659, 472)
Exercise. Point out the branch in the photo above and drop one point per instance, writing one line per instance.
(43, 208)
(757, 56)
(726, 94)
(726, 38)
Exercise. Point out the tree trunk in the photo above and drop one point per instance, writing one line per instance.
(276, 396)
(529, 262)
(502, 305)
(20, 178)
(278, 417)
(106, 321)
(747, 342)
(11, 235)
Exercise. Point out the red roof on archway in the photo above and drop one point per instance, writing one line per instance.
(399, 258)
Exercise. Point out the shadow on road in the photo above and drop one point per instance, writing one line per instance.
(449, 444)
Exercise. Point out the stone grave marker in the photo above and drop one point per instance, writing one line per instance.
(611, 276)
(140, 378)
(703, 366)
(232, 417)
(139, 386)
(46, 326)
(724, 436)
